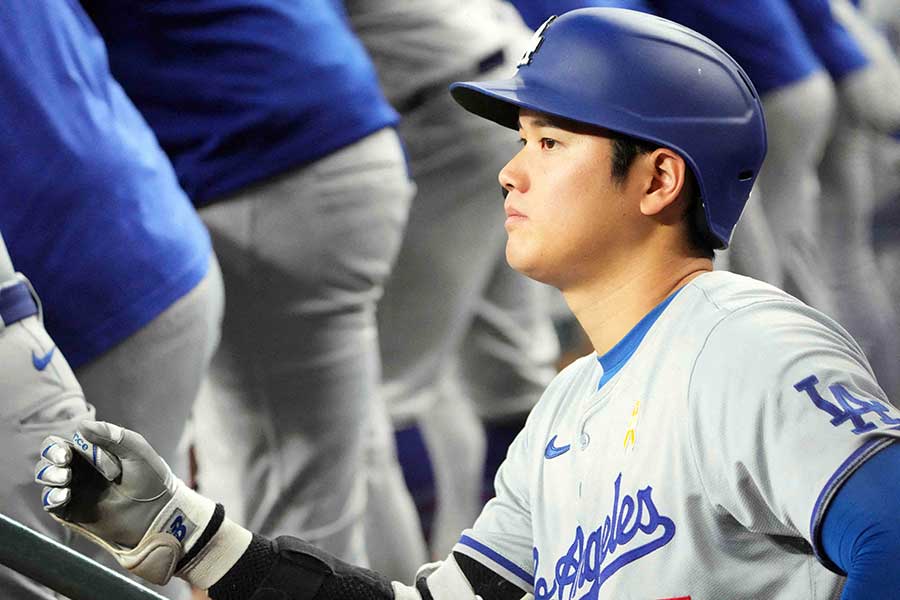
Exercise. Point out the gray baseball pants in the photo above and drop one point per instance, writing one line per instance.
(783, 225)
(279, 427)
(149, 383)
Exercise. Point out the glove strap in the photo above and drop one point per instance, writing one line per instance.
(213, 556)
(211, 529)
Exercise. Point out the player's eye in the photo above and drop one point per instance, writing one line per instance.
(545, 143)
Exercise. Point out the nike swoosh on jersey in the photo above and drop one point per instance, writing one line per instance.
(41, 363)
(552, 451)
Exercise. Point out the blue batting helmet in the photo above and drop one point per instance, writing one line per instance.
(645, 77)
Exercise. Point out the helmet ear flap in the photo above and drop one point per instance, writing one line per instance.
(701, 235)
(699, 231)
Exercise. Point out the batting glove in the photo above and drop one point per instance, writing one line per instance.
(108, 484)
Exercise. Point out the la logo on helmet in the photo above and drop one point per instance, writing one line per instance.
(536, 40)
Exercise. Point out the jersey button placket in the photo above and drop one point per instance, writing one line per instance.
(583, 467)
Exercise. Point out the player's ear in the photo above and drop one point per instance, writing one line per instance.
(665, 173)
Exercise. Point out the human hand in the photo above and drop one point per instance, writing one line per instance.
(110, 485)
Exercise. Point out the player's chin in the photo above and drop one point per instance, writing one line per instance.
(524, 259)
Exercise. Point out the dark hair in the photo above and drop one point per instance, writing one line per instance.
(625, 149)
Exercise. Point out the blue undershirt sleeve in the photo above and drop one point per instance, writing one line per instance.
(861, 528)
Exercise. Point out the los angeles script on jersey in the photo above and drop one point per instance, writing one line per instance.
(633, 529)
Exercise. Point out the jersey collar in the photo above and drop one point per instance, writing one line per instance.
(613, 361)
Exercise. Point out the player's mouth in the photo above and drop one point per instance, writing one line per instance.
(513, 216)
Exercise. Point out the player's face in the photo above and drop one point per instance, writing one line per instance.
(566, 216)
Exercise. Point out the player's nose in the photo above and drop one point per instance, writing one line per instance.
(512, 177)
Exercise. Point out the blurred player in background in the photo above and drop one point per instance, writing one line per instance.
(723, 440)
(271, 113)
(867, 109)
(463, 336)
(885, 17)
(93, 213)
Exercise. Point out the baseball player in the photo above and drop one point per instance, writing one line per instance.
(272, 115)
(725, 440)
(92, 212)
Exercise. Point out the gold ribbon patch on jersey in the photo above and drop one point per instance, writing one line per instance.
(630, 435)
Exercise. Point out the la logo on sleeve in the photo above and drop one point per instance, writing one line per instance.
(864, 414)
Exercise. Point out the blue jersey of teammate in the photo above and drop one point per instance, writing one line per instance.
(535, 12)
(832, 43)
(91, 209)
(764, 36)
(238, 91)
(778, 42)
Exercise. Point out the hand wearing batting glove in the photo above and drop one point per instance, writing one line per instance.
(108, 484)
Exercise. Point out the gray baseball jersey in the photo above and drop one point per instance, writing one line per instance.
(694, 460)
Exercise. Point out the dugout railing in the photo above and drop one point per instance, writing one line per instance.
(62, 569)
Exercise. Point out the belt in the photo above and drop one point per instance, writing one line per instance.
(16, 303)
(425, 93)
